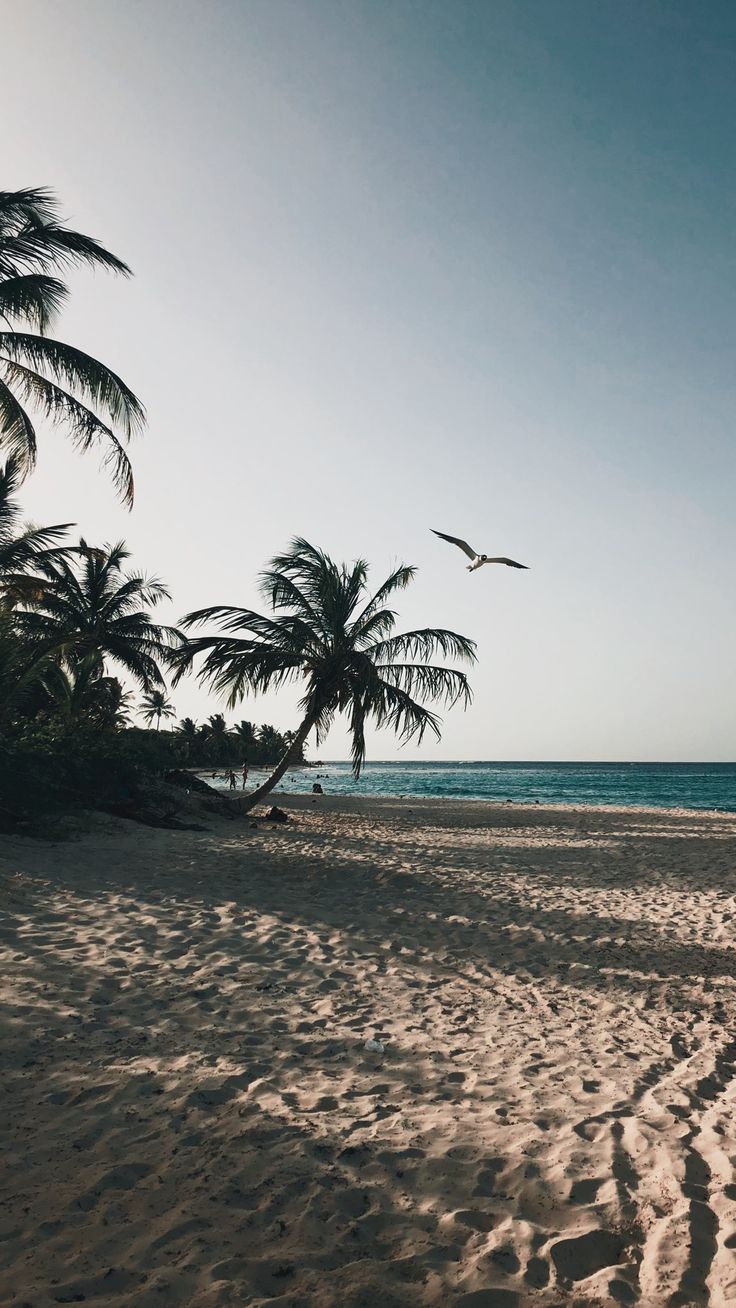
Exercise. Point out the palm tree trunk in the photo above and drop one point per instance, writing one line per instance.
(282, 766)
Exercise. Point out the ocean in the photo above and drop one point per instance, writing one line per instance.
(649, 785)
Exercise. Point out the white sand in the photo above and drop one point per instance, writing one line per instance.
(192, 1117)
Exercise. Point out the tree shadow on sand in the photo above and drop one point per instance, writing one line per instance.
(195, 1119)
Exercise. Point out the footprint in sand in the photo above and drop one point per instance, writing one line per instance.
(582, 1256)
(486, 1184)
(537, 1273)
(506, 1260)
(584, 1192)
(476, 1220)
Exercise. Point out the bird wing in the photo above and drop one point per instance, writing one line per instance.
(455, 540)
(510, 563)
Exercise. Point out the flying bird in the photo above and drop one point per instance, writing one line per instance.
(477, 559)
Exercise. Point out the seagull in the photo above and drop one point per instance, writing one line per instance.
(477, 559)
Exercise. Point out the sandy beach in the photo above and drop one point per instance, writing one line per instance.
(191, 1116)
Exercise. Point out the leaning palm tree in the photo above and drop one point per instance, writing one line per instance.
(155, 705)
(59, 382)
(91, 606)
(289, 738)
(327, 629)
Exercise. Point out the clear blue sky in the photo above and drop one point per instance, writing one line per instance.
(400, 265)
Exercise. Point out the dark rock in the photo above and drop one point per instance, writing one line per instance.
(188, 781)
(275, 814)
(140, 810)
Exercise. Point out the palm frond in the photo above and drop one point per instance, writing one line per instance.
(396, 709)
(282, 592)
(33, 298)
(49, 243)
(17, 433)
(399, 579)
(70, 387)
(423, 643)
(237, 667)
(31, 236)
(79, 372)
(86, 603)
(32, 204)
(357, 734)
(286, 631)
(84, 426)
(30, 544)
(442, 685)
(368, 630)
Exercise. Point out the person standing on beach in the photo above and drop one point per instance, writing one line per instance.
(245, 772)
(232, 779)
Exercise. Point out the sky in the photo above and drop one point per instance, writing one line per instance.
(403, 264)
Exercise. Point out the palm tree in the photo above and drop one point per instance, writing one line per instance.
(217, 737)
(246, 737)
(327, 628)
(113, 704)
(21, 547)
(271, 742)
(188, 731)
(156, 705)
(82, 691)
(58, 381)
(24, 671)
(90, 605)
(289, 738)
(204, 748)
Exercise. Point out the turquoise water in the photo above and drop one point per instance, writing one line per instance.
(658, 785)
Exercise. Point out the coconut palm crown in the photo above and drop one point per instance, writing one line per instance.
(329, 630)
(37, 373)
(92, 606)
(155, 706)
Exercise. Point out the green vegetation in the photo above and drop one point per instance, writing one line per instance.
(74, 618)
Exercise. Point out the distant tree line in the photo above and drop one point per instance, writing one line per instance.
(215, 744)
